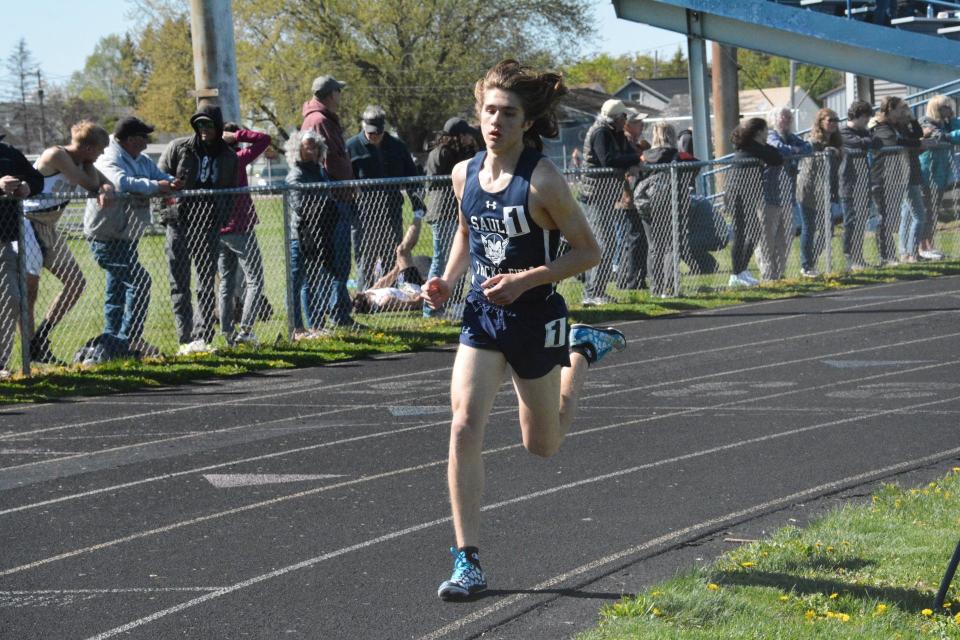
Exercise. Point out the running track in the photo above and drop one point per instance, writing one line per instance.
(162, 515)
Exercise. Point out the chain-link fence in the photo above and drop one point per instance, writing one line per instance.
(157, 275)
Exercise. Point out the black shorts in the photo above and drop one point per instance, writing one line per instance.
(532, 336)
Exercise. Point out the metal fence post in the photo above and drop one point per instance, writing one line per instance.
(288, 267)
(827, 160)
(947, 579)
(22, 286)
(675, 229)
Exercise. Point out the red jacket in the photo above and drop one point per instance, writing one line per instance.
(244, 216)
(316, 116)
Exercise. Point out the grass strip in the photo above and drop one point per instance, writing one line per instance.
(862, 571)
(51, 383)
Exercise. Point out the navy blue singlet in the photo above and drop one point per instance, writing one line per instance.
(503, 236)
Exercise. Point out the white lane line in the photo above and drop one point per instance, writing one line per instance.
(680, 534)
(298, 387)
(435, 463)
(288, 390)
(707, 524)
(429, 425)
(631, 364)
(105, 591)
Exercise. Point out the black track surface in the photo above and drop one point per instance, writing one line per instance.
(711, 425)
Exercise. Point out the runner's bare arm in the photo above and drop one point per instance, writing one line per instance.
(436, 291)
(552, 207)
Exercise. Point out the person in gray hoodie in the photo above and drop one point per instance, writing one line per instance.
(201, 161)
(114, 229)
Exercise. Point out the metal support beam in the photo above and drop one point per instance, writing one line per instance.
(726, 97)
(699, 88)
(215, 56)
(807, 36)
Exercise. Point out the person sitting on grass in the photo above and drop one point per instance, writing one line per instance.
(399, 288)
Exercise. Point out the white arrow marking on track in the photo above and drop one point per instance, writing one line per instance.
(859, 364)
(230, 480)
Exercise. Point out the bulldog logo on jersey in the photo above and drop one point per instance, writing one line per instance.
(515, 219)
(495, 247)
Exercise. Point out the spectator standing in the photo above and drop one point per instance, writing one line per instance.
(747, 196)
(457, 142)
(18, 180)
(114, 231)
(201, 161)
(238, 248)
(654, 199)
(632, 255)
(824, 137)
(314, 224)
(378, 228)
(321, 114)
(63, 169)
(604, 145)
(940, 126)
(781, 193)
(856, 188)
(893, 173)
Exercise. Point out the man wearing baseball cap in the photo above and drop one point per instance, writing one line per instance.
(322, 114)
(378, 228)
(605, 145)
(114, 229)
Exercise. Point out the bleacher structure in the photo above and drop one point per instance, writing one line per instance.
(913, 43)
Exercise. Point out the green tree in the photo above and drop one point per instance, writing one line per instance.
(612, 72)
(22, 68)
(113, 74)
(418, 59)
(166, 56)
(760, 70)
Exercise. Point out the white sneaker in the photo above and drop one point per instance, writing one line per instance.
(748, 277)
(932, 254)
(5, 374)
(809, 273)
(197, 346)
(246, 337)
(736, 282)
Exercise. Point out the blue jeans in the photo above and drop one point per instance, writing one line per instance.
(301, 293)
(242, 249)
(127, 289)
(913, 221)
(810, 227)
(603, 222)
(443, 234)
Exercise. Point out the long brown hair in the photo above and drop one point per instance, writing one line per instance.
(538, 93)
(820, 135)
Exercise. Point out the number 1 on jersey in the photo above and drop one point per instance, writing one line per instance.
(556, 333)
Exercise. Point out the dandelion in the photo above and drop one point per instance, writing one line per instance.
(811, 614)
(784, 598)
(657, 612)
(844, 617)
(656, 593)
(956, 469)
(746, 565)
(829, 549)
(834, 596)
(956, 618)
(713, 587)
(927, 612)
(880, 608)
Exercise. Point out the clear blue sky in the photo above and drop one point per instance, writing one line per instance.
(62, 33)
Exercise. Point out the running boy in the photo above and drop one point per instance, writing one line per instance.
(514, 206)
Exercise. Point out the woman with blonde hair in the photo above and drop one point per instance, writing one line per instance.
(814, 203)
(937, 166)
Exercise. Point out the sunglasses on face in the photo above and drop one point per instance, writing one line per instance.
(204, 124)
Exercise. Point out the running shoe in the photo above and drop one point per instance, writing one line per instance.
(195, 347)
(809, 273)
(748, 277)
(598, 342)
(467, 578)
(931, 254)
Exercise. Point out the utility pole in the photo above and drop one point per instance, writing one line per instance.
(215, 56)
(23, 106)
(726, 96)
(43, 119)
